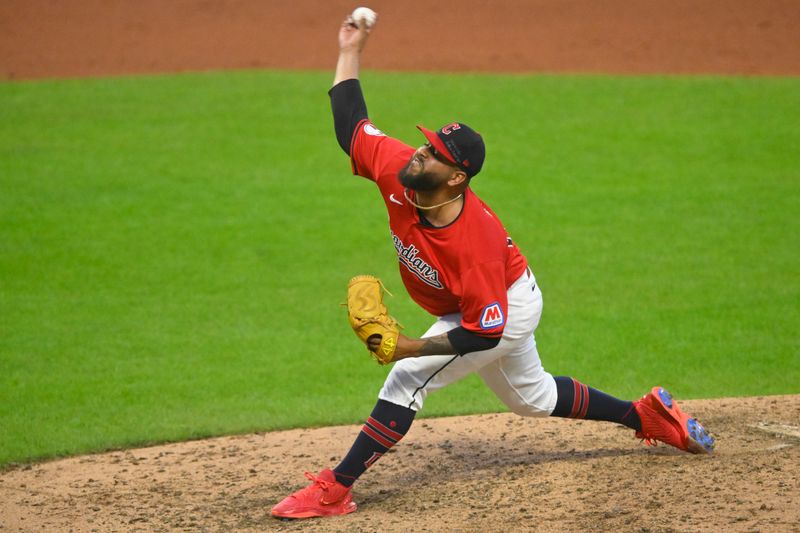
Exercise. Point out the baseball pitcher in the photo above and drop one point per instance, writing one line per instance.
(458, 263)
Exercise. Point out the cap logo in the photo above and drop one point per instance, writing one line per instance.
(450, 128)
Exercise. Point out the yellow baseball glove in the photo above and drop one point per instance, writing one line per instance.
(369, 317)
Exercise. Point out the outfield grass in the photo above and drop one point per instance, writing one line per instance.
(174, 249)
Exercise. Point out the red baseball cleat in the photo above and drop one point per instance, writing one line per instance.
(324, 497)
(663, 421)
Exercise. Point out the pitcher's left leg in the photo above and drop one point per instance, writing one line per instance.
(519, 380)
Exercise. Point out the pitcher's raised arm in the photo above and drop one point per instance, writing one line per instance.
(347, 100)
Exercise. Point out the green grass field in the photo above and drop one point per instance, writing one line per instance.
(174, 249)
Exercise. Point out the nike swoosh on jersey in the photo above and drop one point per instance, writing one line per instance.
(395, 200)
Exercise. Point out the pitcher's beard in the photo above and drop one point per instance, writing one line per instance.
(424, 181)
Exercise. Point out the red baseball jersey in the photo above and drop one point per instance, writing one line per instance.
(466, 266)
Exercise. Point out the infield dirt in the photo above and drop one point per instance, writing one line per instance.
(473, 473)
(476, 473)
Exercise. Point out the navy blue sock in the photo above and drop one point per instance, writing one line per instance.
(576, 400)
(383, 429)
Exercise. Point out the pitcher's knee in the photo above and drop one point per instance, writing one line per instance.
(538, 399)
(525, 409)
(400, 387)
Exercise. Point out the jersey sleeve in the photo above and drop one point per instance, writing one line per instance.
(372, 151)
(484, 304)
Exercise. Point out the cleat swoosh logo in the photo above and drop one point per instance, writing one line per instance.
(395, 200)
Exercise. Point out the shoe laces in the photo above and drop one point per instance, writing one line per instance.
(324, 484)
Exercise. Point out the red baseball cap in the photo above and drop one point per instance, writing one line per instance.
(460, 144)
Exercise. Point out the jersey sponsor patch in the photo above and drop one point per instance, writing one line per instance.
(492, 316)
(369, 129)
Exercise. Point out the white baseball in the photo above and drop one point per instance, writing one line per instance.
(366, 14)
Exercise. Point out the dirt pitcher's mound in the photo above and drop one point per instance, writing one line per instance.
(472, 473)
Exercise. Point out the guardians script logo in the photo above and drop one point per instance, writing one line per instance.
(407, 255)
